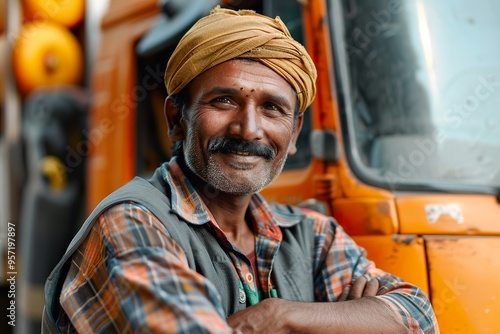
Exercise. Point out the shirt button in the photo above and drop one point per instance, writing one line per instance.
(249, 278)
(243, 297)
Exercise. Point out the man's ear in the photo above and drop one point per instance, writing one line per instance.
(292, 149)
(173, 114)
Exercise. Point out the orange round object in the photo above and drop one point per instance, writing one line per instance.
(46, 54)
(66, 12)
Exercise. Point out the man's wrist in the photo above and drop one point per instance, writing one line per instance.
(302, 317)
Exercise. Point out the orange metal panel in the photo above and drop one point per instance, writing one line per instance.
(364, 216)
(353, 187)
(401, 255)
(128, 10)
(112, 133)
(318, 45)
(464, 282)
(294, 186)
(449, 214)
(325, 105)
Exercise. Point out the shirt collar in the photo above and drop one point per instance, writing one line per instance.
(184, 199)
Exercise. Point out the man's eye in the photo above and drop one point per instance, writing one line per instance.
(271, 106)
(274, 110)
(222, 100)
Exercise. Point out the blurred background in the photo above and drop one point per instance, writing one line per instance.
(47, 49)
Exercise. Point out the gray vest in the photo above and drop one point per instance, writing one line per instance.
(292, 274)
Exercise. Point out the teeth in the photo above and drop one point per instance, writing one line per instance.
(240, 153)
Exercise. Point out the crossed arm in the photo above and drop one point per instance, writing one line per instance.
(149, 287)
(356, 312)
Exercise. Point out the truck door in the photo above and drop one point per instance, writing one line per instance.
(418, 86)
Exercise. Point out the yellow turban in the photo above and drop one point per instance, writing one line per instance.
(227, 34)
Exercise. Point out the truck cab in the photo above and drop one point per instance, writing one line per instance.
(401, 146)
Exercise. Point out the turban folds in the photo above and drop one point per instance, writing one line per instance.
(227, 34)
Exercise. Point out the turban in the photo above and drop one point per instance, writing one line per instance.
(227, 34)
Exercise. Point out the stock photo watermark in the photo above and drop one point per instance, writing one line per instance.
(453, 117)
(11, 274)
(361, 37)
(50, 9)
(449, 294)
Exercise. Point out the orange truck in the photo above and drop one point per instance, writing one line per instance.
(401, 146)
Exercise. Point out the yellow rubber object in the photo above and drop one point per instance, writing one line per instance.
(53, 169)
(46, 54)
(69, 13)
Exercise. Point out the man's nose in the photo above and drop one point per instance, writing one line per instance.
(246, 124)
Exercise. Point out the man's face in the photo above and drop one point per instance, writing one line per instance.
(239, 126)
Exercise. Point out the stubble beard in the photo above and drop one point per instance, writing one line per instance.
(245, 184)
(214, 175)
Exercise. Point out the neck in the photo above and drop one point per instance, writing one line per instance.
(229, 210)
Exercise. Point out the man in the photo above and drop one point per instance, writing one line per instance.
(197, 249)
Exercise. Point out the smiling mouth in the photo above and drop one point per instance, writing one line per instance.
(241, 153)
(241, 160)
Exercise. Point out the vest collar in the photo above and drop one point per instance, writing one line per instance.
(189, 206)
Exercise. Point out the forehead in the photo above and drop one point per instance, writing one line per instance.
(244, 74)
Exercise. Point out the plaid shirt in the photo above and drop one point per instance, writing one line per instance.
(130, 276)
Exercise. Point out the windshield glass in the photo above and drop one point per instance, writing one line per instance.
(420, 88)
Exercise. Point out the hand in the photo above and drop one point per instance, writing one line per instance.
(362, 287)
(268, 316)
(276, 315)
(361, 315)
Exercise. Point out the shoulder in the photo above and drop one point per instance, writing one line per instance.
(129, 225)
(124, 230)
(289, 215)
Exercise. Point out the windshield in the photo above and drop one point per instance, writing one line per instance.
(420, 89)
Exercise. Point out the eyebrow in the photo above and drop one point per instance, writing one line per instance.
(221, 90)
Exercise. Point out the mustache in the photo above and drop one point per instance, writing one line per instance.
(224, 144)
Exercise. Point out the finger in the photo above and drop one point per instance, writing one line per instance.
(345, 292)
(358, 287)
(371, 287)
